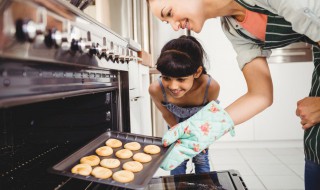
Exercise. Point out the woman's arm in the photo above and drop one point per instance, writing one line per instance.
(156, 94)
(259, 95)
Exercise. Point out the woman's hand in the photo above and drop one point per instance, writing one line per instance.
(308, 109)
(196, 134)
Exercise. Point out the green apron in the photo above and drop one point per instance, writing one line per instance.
(277, 25)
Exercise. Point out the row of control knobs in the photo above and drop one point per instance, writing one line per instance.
(27, 31)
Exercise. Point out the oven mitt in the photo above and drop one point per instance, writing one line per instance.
(196, 134)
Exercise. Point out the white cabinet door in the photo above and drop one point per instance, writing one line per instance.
(291, 82)
(134, 79)
(135, 116)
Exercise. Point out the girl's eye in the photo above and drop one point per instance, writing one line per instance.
(165, 78)
(181, 80)
(169, 14)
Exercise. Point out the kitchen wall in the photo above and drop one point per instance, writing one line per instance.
(291, 82)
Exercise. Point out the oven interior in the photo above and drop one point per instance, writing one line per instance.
(36, 136)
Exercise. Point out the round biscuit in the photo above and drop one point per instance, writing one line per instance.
(133, 166)
(124, 153)
(82, 169)
(110, 163)
(132, 146)
(123, 176)
(152, 149)
(142, 157)
(92, 160)
(104, 151)
(101, 172)
(114, 143)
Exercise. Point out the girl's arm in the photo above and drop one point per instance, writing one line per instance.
(156, 96)
(259, 95)
(213, 91)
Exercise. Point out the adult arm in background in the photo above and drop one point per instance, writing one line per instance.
(308, 109)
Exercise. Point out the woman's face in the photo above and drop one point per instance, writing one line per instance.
(177, 87)
(180, 13)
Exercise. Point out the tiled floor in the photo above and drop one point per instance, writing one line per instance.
(261, 168)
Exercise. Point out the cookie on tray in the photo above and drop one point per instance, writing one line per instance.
(133, 166)
(110, 163)
(82, 169)
(104, 151)
(114, 143)
(124, 154)
(132, 146)
(123, 176)
(142, 157)
(92, 160)
(152, 149)
(101, 172)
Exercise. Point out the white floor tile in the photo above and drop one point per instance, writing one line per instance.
(254, 152)
(243, 169)
(285, 151)
(296, 159)
(253, 183)
(271, 170)
(298, 169)
(282, 182)
(267, 159)
(227, 159)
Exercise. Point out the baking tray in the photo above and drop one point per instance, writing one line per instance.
(141, 179)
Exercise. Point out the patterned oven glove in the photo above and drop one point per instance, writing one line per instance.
(196, 134)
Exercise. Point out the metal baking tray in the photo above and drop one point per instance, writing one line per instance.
(141, 179)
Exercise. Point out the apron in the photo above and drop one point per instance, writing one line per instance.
(277, 25)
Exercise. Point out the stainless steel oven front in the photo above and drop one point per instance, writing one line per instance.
(63, 82)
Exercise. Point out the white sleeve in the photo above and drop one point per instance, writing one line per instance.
(246, 49)
(304, 15)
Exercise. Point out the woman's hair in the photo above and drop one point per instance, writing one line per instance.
(181, 57)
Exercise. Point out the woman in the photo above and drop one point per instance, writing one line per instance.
(254, 27)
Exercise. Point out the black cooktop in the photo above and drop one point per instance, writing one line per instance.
(216, 180)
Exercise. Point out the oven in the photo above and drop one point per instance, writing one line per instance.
(63, 82)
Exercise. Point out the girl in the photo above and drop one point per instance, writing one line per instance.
(254, 27)
(183, 88)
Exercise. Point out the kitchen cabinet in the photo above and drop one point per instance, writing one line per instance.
(140, 106)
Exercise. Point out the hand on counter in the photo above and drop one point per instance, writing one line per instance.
(308, 109)
(196, 134)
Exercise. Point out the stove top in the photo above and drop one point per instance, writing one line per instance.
(216, 180)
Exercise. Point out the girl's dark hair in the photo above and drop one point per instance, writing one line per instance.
(181, 57)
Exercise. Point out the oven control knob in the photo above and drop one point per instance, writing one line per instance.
(53, 38)
(127, 57)
(74, 46)
(26, 30)
(95, 49)
(110, 52)
(116, 54)
(65, 42)
(122, 54)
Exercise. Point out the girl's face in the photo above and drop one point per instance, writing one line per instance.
(180, 13)
(177, 87)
